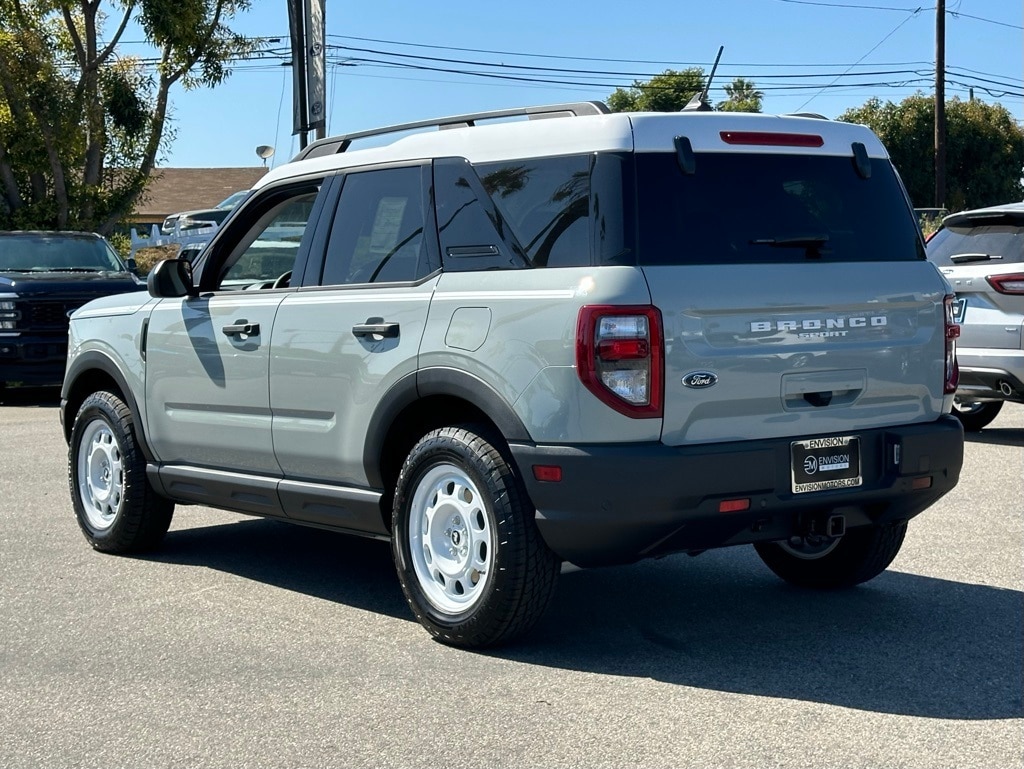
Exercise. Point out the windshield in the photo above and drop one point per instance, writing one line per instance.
(760, 208)
(957, 245)
(57, 253)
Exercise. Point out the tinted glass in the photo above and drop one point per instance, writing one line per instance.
(754, 208)
(473, 232)
(377, 235)
(60, 253)
(1000, 242)
(546, 202)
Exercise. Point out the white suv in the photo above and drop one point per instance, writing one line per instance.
(981, 253)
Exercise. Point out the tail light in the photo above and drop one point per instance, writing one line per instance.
(620, 357)
(952, 369)
(1007, 284)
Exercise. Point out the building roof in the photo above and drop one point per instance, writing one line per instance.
(186, 189)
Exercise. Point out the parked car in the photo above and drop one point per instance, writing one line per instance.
(44, 276)
(186, 221)
(593, 338)
(981, 253)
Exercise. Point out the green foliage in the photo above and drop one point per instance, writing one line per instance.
(80, 125)
(667, 92)
(743, 96)
(984, 149)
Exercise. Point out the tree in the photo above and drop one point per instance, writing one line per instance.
(743, 97)
(984, 148)
(81, 126)
(667, 92)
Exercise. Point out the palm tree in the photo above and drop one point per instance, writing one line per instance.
(743, 96)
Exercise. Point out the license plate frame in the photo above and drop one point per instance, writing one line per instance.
(825, 464)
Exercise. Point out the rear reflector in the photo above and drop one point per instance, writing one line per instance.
(921, 483)
(547, 473)
(733, 505)
(770, 139)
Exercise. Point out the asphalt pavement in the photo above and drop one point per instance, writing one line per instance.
(252, 643)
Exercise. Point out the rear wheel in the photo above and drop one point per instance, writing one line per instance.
(975, 416)
(471, 562)
(859, 555)
(117, 509)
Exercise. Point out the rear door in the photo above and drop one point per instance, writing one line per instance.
(794, 292)
(348, 335)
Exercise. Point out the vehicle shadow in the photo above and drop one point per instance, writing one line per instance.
(28, 397)
(1001, 436)
(902, 644)
(354, 571)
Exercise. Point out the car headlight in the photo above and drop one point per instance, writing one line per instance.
(8, 313)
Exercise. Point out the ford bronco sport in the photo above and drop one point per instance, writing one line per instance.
(504, 345)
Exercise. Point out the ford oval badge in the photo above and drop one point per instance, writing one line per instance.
(700, 379)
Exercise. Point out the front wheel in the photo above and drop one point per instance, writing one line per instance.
(859, 555)
(471, 562)
(975, 416)
(117, 509)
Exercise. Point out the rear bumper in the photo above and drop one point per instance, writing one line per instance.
(998, 378)
(33, 359)
(619, 503)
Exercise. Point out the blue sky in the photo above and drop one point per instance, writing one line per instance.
(860, 48)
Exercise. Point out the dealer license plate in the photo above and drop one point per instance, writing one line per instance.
(826, 463)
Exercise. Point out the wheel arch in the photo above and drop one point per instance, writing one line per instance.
(91, 372)
(421, 402)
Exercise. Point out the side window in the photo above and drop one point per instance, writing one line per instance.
(546, 202)
(265, 255)
(473, 233)
(378, 230)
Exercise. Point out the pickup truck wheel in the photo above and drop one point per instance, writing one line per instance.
(860, 554)
(975, 416)
(117, 509)
(471, 562)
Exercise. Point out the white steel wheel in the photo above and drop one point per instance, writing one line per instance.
(100, 477)
(450, 539)
(472, 565)
(807, 551)
(117, 509)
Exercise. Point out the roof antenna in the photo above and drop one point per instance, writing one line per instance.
(699, 101)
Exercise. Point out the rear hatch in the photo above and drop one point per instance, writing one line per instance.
(793, 287)
(981, 253)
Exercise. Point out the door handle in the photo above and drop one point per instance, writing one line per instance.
(242, 329)
(376, 327)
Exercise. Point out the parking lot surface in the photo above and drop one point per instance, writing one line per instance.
(251, 643)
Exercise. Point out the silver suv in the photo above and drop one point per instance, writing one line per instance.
(505, 345)
(981, 253)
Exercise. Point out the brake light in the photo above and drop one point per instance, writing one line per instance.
(620, 357)
(1007, 284)
(952, 333)
(771, 139)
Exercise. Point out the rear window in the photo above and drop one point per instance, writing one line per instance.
(756, 208)
(964, 245)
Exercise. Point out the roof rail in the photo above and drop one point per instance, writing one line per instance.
(334, 145)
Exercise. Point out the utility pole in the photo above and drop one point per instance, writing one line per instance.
(940, 104)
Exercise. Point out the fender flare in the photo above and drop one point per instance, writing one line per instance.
(94, 360)
(429, 382)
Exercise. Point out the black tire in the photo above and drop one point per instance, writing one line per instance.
(975, 416)
(859, 555)
(117, 509)
(471, 562)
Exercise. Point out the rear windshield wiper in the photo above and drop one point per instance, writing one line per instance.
(803, 241)
(961, 258)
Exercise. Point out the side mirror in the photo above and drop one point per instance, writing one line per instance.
(131, 265)
(171, 278)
